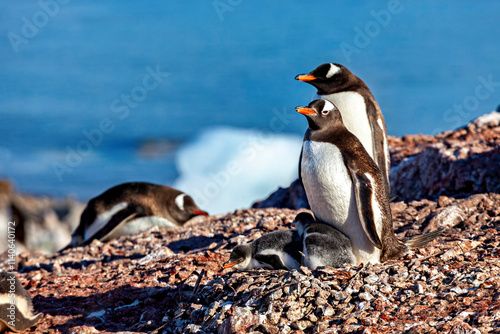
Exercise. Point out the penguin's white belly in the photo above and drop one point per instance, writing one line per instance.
(287, 260)
(330, 193)
(141, 224)
(254, 264)
(102, 219)
(352, 107)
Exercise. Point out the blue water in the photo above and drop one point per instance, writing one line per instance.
(229, 64)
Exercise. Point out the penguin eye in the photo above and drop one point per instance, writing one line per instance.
(325, 112)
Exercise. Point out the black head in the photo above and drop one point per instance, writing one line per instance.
(185, 208)
(330, 78)
(302, 220)
(321, 114)
(240, 257)
(304, 217)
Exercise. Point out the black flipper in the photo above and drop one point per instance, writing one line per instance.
(300, 167)
(364, 192)
(379, 146)
(118, 219)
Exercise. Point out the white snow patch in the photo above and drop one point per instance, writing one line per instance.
(493, 118)
(225, 169)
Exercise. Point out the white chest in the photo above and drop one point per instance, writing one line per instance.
(352, 107)
(327, 182)
(287, 260)
(102, 219)
(141, 224)
(330, 193)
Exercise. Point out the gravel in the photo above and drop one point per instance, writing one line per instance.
(140, 284)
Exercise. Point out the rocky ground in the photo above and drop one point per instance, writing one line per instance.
(172, 281)
(454, 163)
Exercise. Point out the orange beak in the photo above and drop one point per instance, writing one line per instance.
(200, 213)
(304, 110)
(305, 77)
(229, 265)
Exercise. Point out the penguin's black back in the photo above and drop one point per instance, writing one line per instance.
(147, 199)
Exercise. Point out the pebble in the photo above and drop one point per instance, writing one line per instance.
(371, 279)
(365, 296)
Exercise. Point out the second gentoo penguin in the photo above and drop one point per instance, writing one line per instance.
(322, 244)
(15, 305)
(275, 250)
(359, 109)
(132, 207)
(346, 189)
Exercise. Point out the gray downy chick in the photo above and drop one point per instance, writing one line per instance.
(322, 244)
(275, 250)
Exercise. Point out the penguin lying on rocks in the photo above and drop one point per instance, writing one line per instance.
(132, 207)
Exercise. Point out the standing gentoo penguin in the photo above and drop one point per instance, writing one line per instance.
(132, 207)
(345, 188)
(360, 111)
(322, 244)
(275, 250)
(15, 305)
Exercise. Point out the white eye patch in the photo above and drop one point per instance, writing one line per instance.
(328, 106)
(179, 201)
(334, 69)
